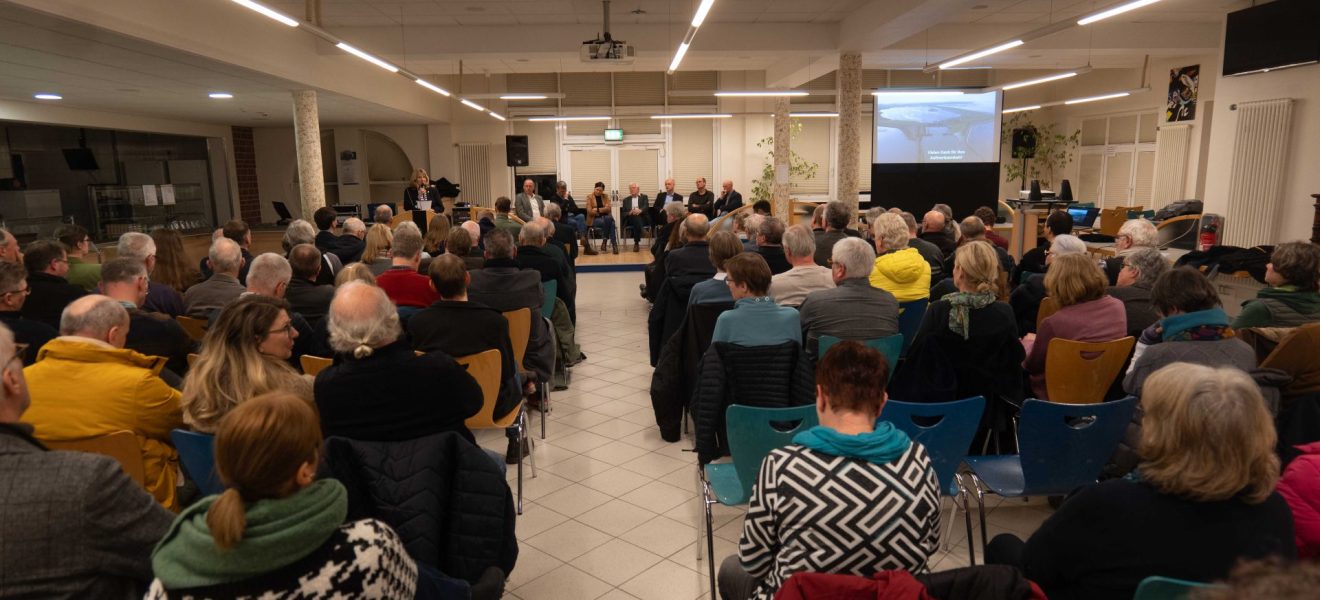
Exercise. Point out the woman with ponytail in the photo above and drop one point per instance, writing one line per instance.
(275, 532)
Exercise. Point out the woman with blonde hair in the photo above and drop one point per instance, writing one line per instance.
(437, 232)
(243, 354)
(172, 266)
(1086, 313)
(419, 190)
(355, 272)
(276, 531)
(376, 254)
(1205, 498)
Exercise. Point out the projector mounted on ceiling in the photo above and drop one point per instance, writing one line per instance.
(606, 49)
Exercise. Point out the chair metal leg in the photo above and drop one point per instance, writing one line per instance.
(531, 443)
(980, 507)
(967, 516)
(520, 468)
(707, 500)
(545, 405)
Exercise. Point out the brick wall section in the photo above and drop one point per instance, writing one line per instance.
(245, 159)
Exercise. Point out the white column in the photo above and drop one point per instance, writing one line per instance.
(779, 191)
(307, 138)
(850, 123)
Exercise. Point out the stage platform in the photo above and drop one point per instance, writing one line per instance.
(607, 262)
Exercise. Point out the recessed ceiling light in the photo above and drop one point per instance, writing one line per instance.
(44, 96)
(220, 95)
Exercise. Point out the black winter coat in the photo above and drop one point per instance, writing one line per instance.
(676, 373)
(671, 302)
(768, 376)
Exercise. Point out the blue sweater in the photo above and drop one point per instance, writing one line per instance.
(758, 322)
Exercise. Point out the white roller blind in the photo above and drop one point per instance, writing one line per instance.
(865, 146)
(693, 148)
(1143, 190)
(1118, 176)
(541, 147)
(641, 167)
(642, 126)
(594, 129)
(639, 88)
(586, 89)
(1093, 132)
(1090, 174)
(1123, 130)
(813, 145)
(589, 166)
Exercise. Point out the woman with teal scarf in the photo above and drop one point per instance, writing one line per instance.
(852, 486)
(275, 532)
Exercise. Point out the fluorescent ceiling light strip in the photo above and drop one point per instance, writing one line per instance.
(433, 87)
(762, 94)
(694, 116)
(1022, 84)
(1116, 10)
(1021, 109)
(981, 54)
(568, 118)
(220, 95)
(48, 96)
(702, 11)
(523, 97)
(678, 56)
(922, 92)
(367, 57)
(1097, 98)
(269, 12)
(472, 105)
(496, 115)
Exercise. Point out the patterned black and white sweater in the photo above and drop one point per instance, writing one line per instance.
(819, 513)
(362, 560)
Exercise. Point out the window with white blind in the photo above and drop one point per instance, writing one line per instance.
(693, 144)
(586, 89)
(812, 143)
(595, 129)
(1117, 160)
(542, 147)
(588, 165)
(693, 81)
(639, 126)
(640, 166)
(639, 89)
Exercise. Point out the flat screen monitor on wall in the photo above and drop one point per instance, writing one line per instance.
(1279, 34)
(936, 126)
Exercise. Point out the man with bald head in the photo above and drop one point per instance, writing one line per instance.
(667, 195)
(305, 295)
(152, 334)
(729, 199)
(694, 257)
(352, 243)
(635, 210)
(225, 260)
(935, 232)
(86, 384)
(532, 254)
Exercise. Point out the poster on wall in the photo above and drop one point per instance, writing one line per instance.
(1183, 85)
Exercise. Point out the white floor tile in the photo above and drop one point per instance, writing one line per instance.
(667, 581)
(574, 499)
(616, 561)
(661, 535)
(564, 583)
(616, 481)
(568, 540)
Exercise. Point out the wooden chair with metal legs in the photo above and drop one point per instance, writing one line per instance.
(121, 445)
(520, 335)
(1082, 372)
(195, 328)
(485, 368)
(313, 365)
(1048, 306)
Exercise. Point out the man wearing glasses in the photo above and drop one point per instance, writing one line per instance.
(48, 265)
(14, 291)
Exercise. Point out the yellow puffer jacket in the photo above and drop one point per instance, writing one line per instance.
(83, 388)
(903, 273)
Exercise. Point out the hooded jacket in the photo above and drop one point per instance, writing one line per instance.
(1282, 306)
(84, 388)
(903, 273)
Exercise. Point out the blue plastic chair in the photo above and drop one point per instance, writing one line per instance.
(1165, 588)
(891, 347)
(752, 436)
(1063, 446)
(946, 441)
(197, 453)
(909, 320)
(549, 289)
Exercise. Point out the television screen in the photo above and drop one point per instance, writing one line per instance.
(614, 135)
(80, 159)
(1278, 34)
(936, 127)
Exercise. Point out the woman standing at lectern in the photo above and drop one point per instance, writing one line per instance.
(420, 189)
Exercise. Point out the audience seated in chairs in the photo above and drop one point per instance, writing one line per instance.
(973, 228)
(172, 267)
(834, 218)
(1026, 298)
(383, 214)
(989, 217)
(9, 250)
(562, 235)
(693, 258)
(1205, 498)
(48, 291)
(401, 282)
(244, 354)
(932, 253)
(967, 344)
(1058, 223)
(853, 309)
(899, 269)
(505, 287)
(78, 243)
(152, 334)
(276, 531)
(13, 294)
(533, 254)
(270, 276)
(791, 287)
(437, 234)
(938, 228)
(161, 297)
(461, 245)
(769, 235)
(306, 295)
(302, 232)
(849, 460)
(376, 253)
(1141, 268)
(746, 226)
(1133, 235)
(668, 239)
(226, 260)
(504, 219)
(352, 243)
(723, 246)
(755, 320)
(241, 234)
(352, 272)
(74, 524)
(1085, 313)
(1291, 298)
(86, 384)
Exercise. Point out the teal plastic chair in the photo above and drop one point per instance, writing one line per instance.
(891, 347)
(909, 320)
(197, 453)
(1164, 588)
(549, 290)
(753, 432)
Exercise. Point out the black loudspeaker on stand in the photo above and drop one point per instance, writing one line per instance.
(1065, 191)
(1034, 195)
(515, 148)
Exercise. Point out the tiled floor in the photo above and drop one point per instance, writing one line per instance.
(613, 512)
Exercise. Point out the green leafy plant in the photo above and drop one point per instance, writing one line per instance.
(797, 166)
(1054, 151)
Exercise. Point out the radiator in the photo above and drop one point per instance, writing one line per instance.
(1260, 156)
(474, 173)
(1171, 146)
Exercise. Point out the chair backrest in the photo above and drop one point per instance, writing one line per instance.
(891, 347)
(1082, 372)
(909, 320)
(195, 328)
(946, 430)
(520, 332)
(1066, 445)
(485, 368)
(197, 453)
(1048, 306)
(1165, 588)
(1111, 219)
(549, 289)
(313, 365)
(754, 432)
(121, 445)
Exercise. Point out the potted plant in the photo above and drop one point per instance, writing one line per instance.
(1053, 150)
(797, 166)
